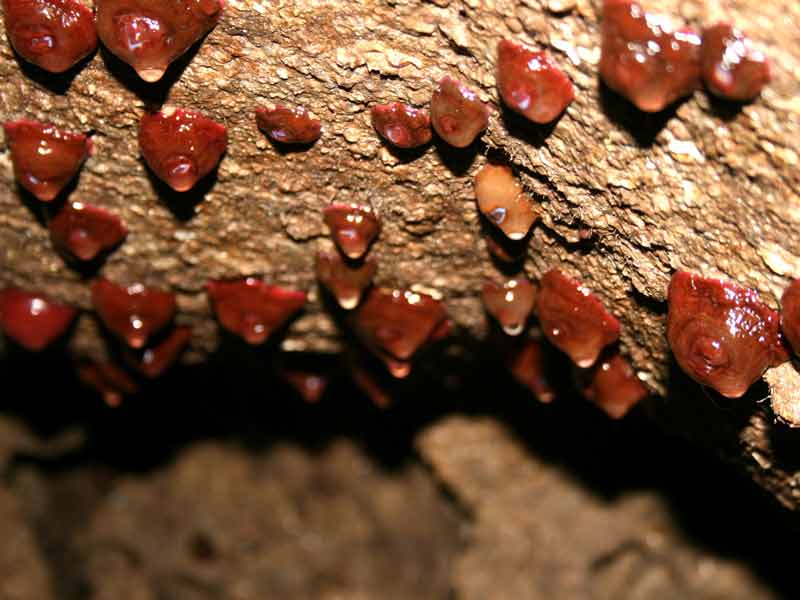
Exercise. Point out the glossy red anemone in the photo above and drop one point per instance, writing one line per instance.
(33, 320)
(721, 334)
(457, 114)
(613, 386)
(181, 146)
(510, 303)
(529, 368)
(402, 125)
(369, 385)
(531, 83)
(252, 309)
(289, 125)
(156, 359)
(395, 324)
(790, 315)
(574, 319)
(353, 227)
(52, 34)
(133, 312)
(310, 386)
(503, 202)
(732, 67)
(505, 251)
(84, 231)
(45, 158)
(108, 380)
(344, 279)
(150, 34)
(645, 59)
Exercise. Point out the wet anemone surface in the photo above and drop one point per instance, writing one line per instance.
(402, 125)
(149, 34)
(52, 34)
(503, 201)
(83, 231)
(790, 314)
(733, 68)
(32, 319)
(110, 382)
(395, 324)
(181, 146)
(353, 227)
(346, 280)
(253, 309)
(289, 125)
(132, 312)
(721, 334)
(510, 303)
(646, 59)
(529, 366)
(531, 83)
(613, 386)
(457, 114)
(574, 319)
(45, 158)
(153, 361)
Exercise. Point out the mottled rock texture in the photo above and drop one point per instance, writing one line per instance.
(706, 186)
(555, 548)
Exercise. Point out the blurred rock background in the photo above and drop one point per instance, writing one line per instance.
(213, 485)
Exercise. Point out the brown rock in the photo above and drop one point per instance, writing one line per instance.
(696, 189)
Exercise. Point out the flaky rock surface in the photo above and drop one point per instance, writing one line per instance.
(704, 187)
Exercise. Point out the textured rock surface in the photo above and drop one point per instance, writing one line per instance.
(24, 570)
(704, 187)
(23, 573)
(220, 523)
(546, 535)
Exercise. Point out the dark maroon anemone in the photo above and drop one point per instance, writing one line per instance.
(442, 331)
(289, 125)
(33, 320)
(503, 202)
(150, 34)
(253, 309)
(181, 146)
(721, 334)
(573, 318)
(732, 67)
(613, 386)
(157, 359)
(45, 158)
(790, 317)
(395, 324)
(531, 83)
(353, 227)
(457, 114)
(644, 59)
(402, 125)
(52, 34)
(310, 386)
(108, 380)
(344, 279)
(84, 231)
(529, 368)
(509, 252)
(134, 312)
(368, 384)
(510, 303)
